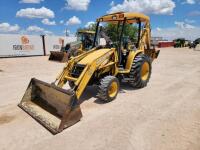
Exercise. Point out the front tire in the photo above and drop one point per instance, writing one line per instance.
(108, 88)
(140, 71)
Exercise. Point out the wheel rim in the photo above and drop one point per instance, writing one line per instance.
(112, 91)
(145, 71)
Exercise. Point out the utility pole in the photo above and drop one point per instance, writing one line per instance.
(66, 32)
(43, 42)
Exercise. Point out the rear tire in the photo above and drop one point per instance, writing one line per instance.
(108, 88)
(140, 71)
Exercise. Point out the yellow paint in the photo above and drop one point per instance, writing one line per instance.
(112, 91)
(84, 79)
(145, 71)
(86, 31)
(131, 57)
(93, 56)
(70, 78)
(118, 17)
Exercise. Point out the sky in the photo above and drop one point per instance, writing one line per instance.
(169, 18)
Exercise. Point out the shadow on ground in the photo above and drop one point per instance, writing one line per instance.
(91, 91)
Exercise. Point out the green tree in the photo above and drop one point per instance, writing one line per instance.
(111, 31)
(129, 30)
(91, 27)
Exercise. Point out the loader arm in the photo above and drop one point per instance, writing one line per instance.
(82, 81)
(61, 77)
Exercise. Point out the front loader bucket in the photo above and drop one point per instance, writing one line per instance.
(58, 56)
(54, 107)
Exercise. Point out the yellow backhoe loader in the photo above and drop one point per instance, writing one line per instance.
(83, 43)
(105, 66)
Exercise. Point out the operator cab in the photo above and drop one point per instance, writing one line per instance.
(128, 31)
(86, 38)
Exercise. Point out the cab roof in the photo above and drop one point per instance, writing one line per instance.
(86, 31)
(131, 17)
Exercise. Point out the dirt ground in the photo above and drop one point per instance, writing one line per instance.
(165, 115)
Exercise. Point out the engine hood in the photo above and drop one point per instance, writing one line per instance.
(93, 56)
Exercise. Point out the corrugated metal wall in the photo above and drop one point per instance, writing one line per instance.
(165, 44)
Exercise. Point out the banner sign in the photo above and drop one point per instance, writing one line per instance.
(12, 45)
(55, 43)
(20, 45)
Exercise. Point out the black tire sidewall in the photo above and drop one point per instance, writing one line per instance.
(137, 81)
